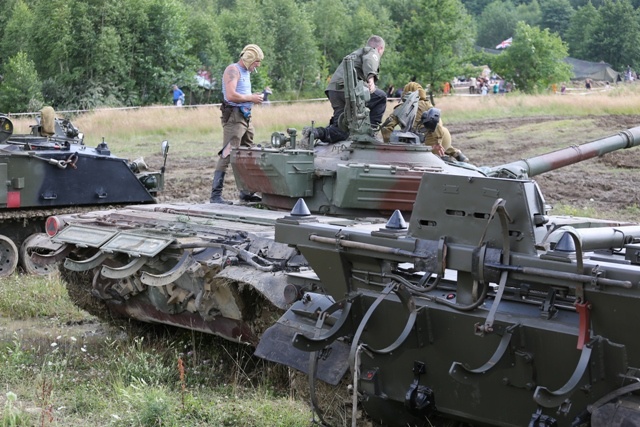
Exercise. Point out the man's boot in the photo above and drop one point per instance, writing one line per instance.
(216, 191)
(461, 157)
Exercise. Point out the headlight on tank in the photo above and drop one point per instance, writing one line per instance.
(278, 140)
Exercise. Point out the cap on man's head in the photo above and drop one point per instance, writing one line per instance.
(250, 54)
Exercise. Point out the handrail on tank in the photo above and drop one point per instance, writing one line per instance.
(537, 165)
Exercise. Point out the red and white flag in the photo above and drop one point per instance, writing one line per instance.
(505, 43)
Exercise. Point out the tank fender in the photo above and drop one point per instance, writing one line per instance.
(275, 344)
(270, 284)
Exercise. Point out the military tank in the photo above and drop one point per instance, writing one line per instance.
(51, 171)
(359, 177)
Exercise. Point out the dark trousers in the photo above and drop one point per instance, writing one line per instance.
(376, 105)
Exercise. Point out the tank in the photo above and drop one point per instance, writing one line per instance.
(211, 266)
(359, 177)
(51, 171)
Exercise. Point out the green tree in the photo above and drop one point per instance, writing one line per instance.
(332, 40)
(15, 37)
(530, 13)
(556, 15)
(534, 60)
(234, 23)
(162, 58)
(616, 35)
(20, 89)
(475, 7)
(209, 47)
(580, 31)
(436, 39)
(53, 43)
(496, 23)
(293, 63)
(207, 39)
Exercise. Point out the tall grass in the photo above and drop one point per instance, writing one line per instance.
(198, 130)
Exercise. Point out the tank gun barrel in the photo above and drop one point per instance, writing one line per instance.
(567, 156)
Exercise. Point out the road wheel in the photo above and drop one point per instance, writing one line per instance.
(38, 242)
(8, 256)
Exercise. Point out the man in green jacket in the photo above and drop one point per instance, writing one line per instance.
(367, 65)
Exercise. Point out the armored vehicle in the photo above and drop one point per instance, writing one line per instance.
(482, 298)
(52, 171)
(482, 308)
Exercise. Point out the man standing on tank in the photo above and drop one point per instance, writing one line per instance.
(367, 65)
(237, 128)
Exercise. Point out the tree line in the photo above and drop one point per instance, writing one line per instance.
(84, 54)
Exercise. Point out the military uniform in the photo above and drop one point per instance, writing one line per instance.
(366, 63)
(441, 135)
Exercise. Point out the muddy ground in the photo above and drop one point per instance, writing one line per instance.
(604, 187)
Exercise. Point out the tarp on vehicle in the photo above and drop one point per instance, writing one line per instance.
(598, 71)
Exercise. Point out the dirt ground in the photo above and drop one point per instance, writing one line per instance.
(603, 187)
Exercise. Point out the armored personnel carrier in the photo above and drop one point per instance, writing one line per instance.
(51, 171)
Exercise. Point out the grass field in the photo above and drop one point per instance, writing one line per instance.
(130, 132)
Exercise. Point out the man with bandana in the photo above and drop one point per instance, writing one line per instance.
(237, 128)
(367, 65)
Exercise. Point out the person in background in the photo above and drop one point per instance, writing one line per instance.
(237, 128)
(265, 95)
(178, 96)
(367, 65)
(446, 88)
(390, 91)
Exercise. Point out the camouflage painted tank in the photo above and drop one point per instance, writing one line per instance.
(359, 177)
(50, 171)
(482, 309)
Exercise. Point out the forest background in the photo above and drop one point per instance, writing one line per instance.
(86, 54)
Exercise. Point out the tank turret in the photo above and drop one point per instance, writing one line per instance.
(51, 171)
